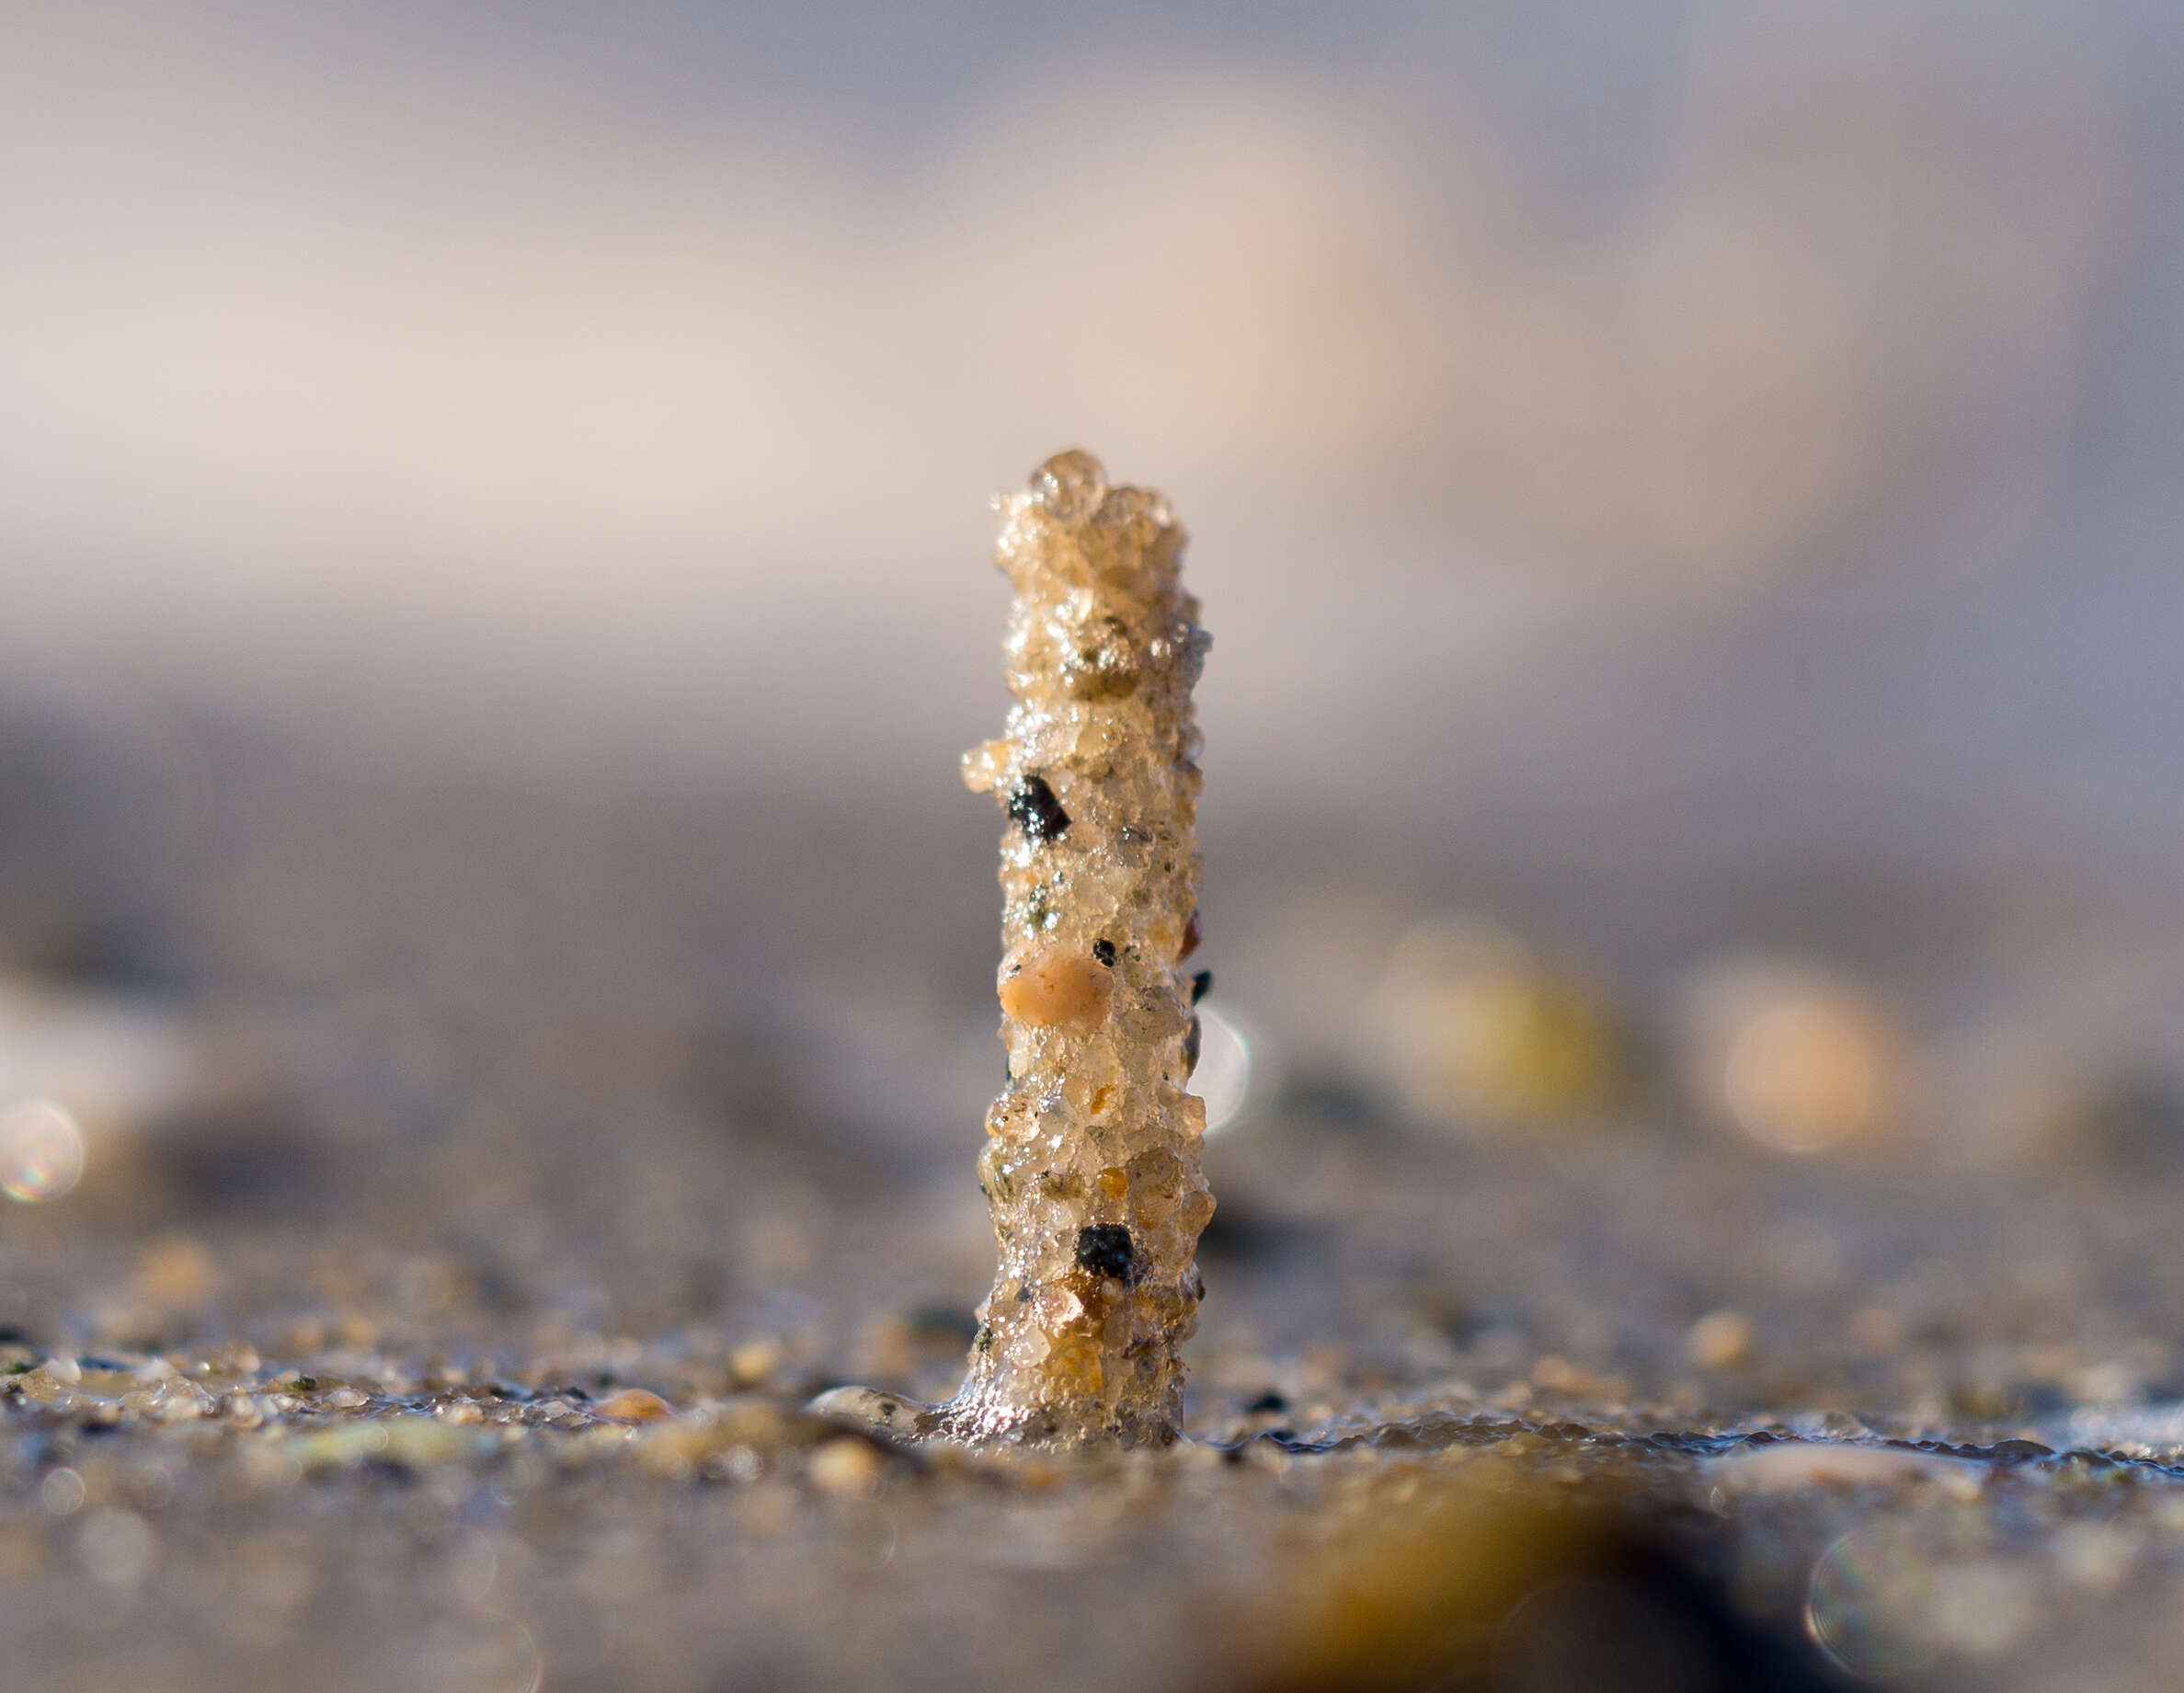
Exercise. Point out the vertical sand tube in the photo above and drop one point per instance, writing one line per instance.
(1092, 1162)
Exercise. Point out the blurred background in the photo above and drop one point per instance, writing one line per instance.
(493, 512)
(495, 579)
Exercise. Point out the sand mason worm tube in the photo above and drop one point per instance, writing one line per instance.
(1092, 1162)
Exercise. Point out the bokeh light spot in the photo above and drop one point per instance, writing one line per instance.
(1807, 1074)
(1223, 1079)
(41, 1151)
(1869, 1602)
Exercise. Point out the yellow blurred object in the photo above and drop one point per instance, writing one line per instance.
(1486, 1580)
(1477, 1032)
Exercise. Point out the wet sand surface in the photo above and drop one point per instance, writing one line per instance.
(490, 1172)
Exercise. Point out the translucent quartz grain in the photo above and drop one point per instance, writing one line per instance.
(1092, 1162)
